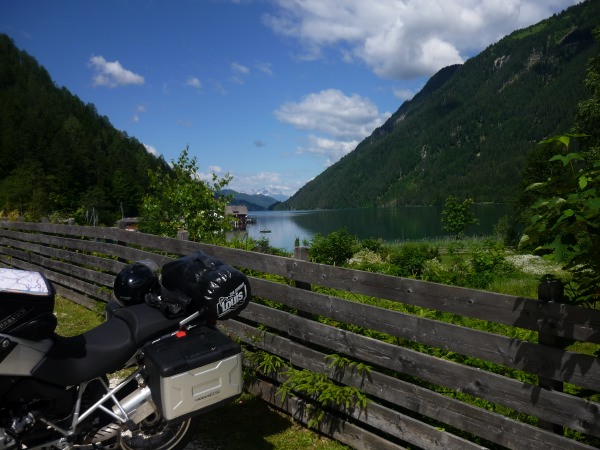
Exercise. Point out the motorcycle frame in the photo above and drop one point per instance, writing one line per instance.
(123, 418)
(77, 417)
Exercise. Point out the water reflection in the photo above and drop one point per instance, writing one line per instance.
(389, 224)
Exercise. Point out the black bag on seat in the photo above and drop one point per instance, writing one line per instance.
(217, 290)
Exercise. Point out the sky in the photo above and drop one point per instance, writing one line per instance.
(270, 92)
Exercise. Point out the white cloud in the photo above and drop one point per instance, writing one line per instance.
(404, 94)
(338, 122)
(331, 149)
(150, 149)
(265, 68)
(136, 116)
(208, 177)
(403, 39)
(333, 113)
(194, 83)
(112, 74)
(239, 73)
(287, 183)
(239, 68)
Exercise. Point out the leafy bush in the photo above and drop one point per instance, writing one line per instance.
(181, 200)
(334, 249)
(409, 259)
(566, 224)
(372, 244)
(485, 264)
(490, 258)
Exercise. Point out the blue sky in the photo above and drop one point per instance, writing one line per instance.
(271, 92)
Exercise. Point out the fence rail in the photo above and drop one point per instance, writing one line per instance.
(312, 311)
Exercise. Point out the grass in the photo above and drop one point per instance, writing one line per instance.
(256, 425)
(259, 427)
(74, 319)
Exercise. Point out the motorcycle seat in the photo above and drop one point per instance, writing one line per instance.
(103, 349)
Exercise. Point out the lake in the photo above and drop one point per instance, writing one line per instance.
(408, 223)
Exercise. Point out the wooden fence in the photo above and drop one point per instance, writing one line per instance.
(430, 396)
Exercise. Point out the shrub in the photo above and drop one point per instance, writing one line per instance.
(410, 258)
(334, 249)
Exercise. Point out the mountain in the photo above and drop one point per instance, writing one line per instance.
(273, 193)
(254, 202)
(468, 132)
(58, 155)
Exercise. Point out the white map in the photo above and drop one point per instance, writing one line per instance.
(23, 281)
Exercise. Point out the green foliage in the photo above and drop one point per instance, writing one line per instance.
(323, 391)
(457, 216)
(372, 244)
(409, 259)
(565, 218)
(180, 200)
(588, 110)
(267, 363)
(566, 225)
(57, 154)
(481, 266)
(315, 386)
(334, 249)
(341, 363)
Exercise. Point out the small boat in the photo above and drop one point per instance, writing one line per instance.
(265, 231)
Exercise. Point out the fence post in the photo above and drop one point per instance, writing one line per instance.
(301, 253)
(183, 235)
(550, 291)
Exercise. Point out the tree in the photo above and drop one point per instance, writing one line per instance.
(565, 220)
(566, 225)
(334, 249)
(182, 201)
(456, 216)
(588, 111)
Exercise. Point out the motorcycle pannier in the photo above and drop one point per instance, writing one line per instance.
(26, 304)
(195, 372)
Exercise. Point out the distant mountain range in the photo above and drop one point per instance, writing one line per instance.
(470, 129)
(264, 199)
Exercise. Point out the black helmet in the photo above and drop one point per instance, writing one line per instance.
(134, 281)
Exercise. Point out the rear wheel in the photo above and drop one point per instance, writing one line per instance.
(155, 434)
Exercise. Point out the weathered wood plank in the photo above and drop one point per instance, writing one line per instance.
(563, 409)
(562, 320)
(582, 370)
(479, 422)
(75, 297)
(345, 432)
(67, 270)
(94, 291)
(85, 245)
(400, 426)
(94, 262)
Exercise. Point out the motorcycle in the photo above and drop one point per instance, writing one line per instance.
(139, 380)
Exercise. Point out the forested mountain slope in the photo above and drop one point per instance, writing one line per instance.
(469, 130)
(58, 154)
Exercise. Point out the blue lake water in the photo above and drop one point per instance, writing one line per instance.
(407, 223)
